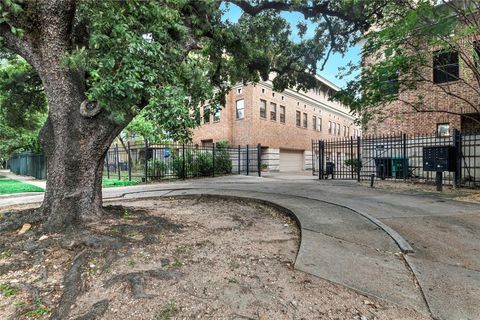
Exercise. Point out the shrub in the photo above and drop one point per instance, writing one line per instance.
(158, 168)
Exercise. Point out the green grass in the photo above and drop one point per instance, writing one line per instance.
(13, 186)
(108, 183)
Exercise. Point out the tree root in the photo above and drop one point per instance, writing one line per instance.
(136, 280)
(97, 310)
(71, 281)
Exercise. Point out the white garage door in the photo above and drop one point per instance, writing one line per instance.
(291, 160)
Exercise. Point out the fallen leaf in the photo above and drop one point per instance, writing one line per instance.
(25, 228)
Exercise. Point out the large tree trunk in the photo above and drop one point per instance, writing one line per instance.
(75, 147)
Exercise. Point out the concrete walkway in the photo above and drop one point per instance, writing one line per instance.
(422, 252)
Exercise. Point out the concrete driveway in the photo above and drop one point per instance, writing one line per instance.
(418, 251)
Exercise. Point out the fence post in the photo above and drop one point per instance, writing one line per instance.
(184, 171)
(404, 161)
(239, 162)
(351, 155)
(457, 142)
(259, 159)
(213, 160)
(146, 161)
(320, 160)
(358, 159)
(248, 161)
(129, 162)
(118, 160)
(108, 166)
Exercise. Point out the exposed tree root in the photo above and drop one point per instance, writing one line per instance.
(136, 280)
(96, 311)
(83, 243)
(73, 287)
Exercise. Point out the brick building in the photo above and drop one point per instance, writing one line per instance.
(284, 123)
(448, 89)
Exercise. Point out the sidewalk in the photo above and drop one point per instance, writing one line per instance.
(345, 236)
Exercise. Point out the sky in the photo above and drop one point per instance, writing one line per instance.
(330, 71)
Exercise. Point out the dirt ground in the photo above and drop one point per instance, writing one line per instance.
(172, 259)
(460, 194)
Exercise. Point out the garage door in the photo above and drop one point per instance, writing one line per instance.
(291, 160)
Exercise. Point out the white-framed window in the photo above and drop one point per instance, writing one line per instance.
(305, 120)
(443, 129)
(282, 114)
(240, 109)
(319, 124)
(273, 111)
(298, 114)
(263, 109)
(216, 115)
(314, 122)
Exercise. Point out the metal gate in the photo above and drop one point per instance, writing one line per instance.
(395, 157)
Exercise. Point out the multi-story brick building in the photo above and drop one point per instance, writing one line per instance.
(446, 93)
(284, 123)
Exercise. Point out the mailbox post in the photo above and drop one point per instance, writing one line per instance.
(439, 159)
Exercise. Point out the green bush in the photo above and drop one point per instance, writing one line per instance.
(223, 163)
(158, 168)
(354, 163)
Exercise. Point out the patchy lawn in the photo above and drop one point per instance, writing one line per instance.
(9, 186)
(108, 183)
(190, 258)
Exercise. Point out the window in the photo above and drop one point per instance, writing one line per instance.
(263, 90)
(348, 131)
(282, 114)
(314, 122)
(198, 116)
(216, 115)
(334, 130)
(330, 127)
(239, 91)
(305, 120)
(283, 98)
(319, 124)
(445, 66)
(391, 85)
(338, 129)
(273, 94)
(206, 114)
(443, 129)
(344, 131)
(263, 109)
(273, 111)
(297, 118)
(240, 109)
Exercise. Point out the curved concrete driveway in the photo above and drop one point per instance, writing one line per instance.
(441, 275)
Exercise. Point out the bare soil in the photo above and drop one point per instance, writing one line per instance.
(171, 259)
(460, 194)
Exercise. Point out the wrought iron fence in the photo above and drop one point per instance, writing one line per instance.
(396, 157)
(148, 161)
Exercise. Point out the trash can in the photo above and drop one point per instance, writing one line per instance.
(330, 169)
(399, 168)
(383, 168)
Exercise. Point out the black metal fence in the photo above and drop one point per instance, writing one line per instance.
(148, 162)
(28, 164)
(396, 157)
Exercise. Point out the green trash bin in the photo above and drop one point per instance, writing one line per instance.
(399, 168)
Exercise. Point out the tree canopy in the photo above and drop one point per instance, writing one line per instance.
(23, 107)
(398, 60)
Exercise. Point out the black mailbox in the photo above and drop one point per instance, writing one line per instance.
(439, 158)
